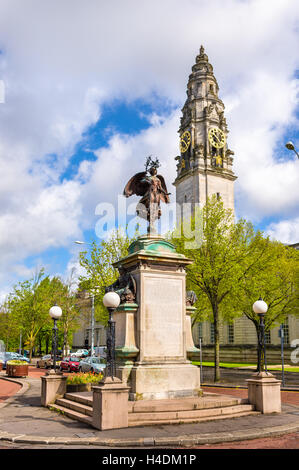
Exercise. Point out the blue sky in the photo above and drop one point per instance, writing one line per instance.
(88, 99)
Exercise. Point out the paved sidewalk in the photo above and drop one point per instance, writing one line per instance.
(23, 420)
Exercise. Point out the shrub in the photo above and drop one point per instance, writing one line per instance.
(83, 378)
(15, 362)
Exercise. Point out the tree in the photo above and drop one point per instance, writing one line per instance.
(98, 264)
(276, 281)
(226, 253)
(28, 306)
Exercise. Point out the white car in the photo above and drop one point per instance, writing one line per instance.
(80, 353)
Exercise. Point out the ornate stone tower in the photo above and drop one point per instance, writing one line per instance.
(204, 166)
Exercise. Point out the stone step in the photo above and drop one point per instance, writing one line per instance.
(185, 404)
(80, 397)
(133, 423)
(71, 414)
(188, 414)
(74, 405)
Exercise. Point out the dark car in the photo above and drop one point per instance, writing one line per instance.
(70, 364)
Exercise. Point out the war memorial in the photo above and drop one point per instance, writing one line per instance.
(150, 379)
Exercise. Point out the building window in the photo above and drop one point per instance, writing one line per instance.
(230, 333)
(286, 335)
(211, 88)
(218, 196)
(212, 333)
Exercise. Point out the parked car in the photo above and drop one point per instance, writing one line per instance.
(46, 362)
(80, 353)
(70, 364)
(92, 364)
(21, 358)
(7, 356)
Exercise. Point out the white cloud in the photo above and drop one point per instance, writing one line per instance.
(286, 231)
(68, 58)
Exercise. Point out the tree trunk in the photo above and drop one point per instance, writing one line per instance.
(217, 345)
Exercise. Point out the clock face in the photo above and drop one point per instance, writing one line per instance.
(216, 137)
(185, 141)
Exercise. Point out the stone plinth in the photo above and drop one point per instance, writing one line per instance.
(160, 333)
(110, 404)
(264, 392)
(53, 387)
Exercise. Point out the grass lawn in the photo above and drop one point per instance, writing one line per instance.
(232, 365)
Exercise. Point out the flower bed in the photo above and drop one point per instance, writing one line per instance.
(82, 382)
(17, 368)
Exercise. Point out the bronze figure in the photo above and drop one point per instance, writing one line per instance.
(124, 286)
(153, 190)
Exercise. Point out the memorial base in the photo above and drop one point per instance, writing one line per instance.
(164, 381)
(264, 393)
(110, 404)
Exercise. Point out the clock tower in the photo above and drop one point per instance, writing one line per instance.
(204, 166)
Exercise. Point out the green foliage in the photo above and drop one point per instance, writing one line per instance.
(27, 309)
(83, 378)
(100, 273)
(232, 266)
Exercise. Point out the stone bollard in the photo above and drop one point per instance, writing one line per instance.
(110, 404)
(53, 387)
(264, 392)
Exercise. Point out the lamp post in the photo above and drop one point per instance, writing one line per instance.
(291, 146)
(111, 301)
(55, 312)
(260, 308)
(79, 242)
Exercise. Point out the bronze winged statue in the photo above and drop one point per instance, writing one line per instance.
(152, 188)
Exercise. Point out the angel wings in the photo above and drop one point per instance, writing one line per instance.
(140, 185)
(153, 190)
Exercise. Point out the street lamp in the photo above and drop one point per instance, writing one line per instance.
(260, 308)
(55, 312)
(111, 301)
(291, 146)
(79, 242)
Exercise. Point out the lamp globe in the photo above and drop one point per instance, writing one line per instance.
(111, 300)
(55, 312)
(260, 307)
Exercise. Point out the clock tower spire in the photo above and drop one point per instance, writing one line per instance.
(204, 166)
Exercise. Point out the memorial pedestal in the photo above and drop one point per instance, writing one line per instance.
(264, 393)
(110, 404)
(156, 335)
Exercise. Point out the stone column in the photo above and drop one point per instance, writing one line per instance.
(110, 404)
(125, 341)
(53, 387)
(264, 392)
